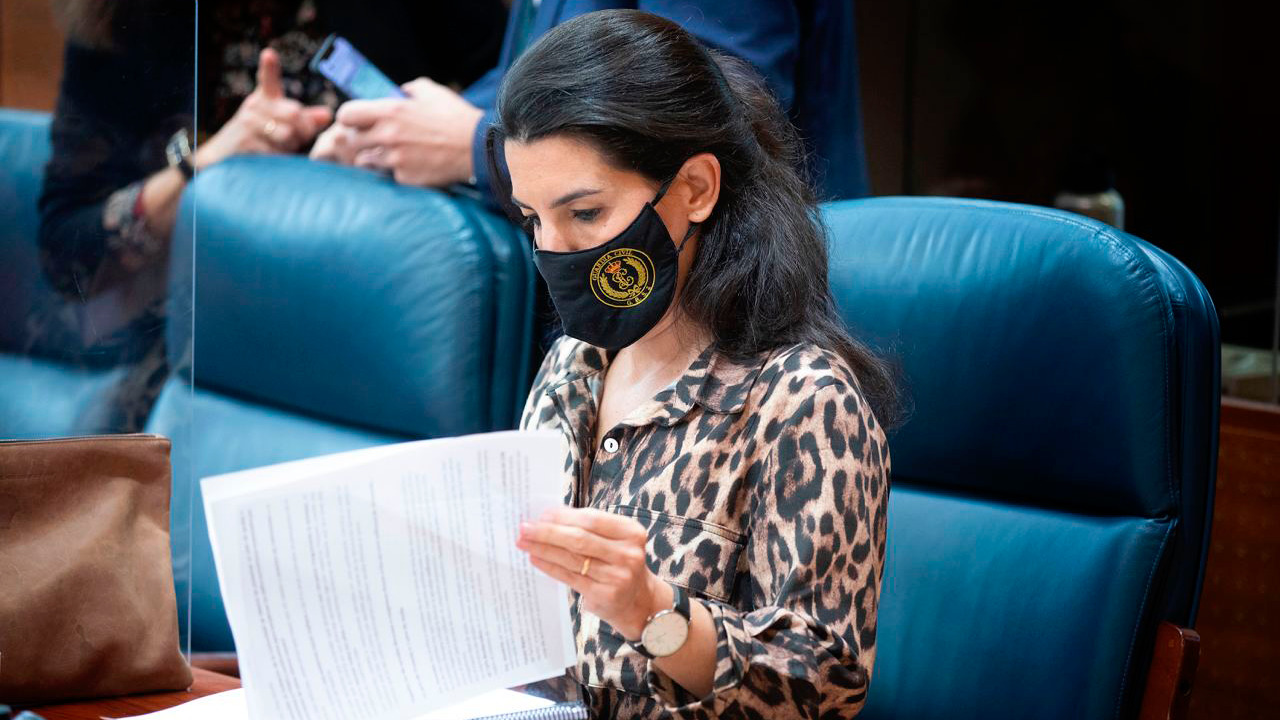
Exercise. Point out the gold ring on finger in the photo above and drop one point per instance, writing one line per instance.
(269, 129)
(586, 565)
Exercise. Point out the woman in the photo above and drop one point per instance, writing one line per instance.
(112, 192)
(112, 188)
(728, 477)
(121, 160)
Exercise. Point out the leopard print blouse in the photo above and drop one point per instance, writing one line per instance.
(764, 486)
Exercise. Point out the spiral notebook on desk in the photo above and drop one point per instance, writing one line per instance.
(509, 705)
(385, 583)
(559, 711)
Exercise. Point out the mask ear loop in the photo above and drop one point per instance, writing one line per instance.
(693, 228)
(662, 190)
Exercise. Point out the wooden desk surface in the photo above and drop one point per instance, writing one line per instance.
(206, 683)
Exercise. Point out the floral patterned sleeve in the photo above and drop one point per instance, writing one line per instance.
(127, 231)
(815, 558)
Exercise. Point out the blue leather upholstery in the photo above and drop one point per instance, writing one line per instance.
(333, 310)
(24, 150)
(1053, 488)
(53, 380)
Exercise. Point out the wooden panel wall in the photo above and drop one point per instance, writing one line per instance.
(1239, 622)
(30, 55)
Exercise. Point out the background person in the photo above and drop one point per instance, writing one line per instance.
(805, 51)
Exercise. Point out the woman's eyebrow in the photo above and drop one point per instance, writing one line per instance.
(563, 199)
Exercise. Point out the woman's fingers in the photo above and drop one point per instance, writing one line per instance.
(565, 559)
(581, 583)
(607, 524)
(317, 118)
(282, 135)
(287, 125)
(269, 80)
(618, 583)
(576, 540)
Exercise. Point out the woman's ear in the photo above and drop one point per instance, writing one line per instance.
(701, 175)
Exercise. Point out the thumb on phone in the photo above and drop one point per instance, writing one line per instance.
(416, 87)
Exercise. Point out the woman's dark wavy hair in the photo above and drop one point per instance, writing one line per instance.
(648, 96)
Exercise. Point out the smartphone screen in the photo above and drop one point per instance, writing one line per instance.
(351, 72)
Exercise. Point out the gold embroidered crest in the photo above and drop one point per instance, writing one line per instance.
(622, 278)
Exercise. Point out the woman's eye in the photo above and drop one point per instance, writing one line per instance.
(586, 215)
(529, 223)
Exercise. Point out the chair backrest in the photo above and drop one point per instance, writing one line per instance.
(333, 309)
(56, 380)
(24, 149)
(1052, 491)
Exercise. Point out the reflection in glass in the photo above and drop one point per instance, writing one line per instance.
(97, 224)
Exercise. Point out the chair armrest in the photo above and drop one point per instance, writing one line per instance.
(1172, 673)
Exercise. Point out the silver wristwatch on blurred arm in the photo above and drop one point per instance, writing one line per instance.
(178, 152)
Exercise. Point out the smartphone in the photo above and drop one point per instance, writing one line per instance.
(352, 72)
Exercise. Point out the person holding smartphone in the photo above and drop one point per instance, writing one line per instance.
(804, 50)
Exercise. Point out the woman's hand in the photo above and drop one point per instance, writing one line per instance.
(266, 122)
(618, 586)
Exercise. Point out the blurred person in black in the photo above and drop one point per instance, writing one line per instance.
(127, 117)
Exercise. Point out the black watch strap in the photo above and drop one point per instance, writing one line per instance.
(186, 168)
(639, 646)
(679, 603)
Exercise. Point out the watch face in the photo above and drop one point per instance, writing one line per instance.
(665, 634)
(179, 147)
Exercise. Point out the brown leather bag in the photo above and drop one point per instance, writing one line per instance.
(86, 583)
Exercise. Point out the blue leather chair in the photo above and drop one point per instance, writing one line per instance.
(55, 380)
(1052, 492)
(333, 309)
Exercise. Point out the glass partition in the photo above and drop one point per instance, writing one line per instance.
(157, 199)
(97, 100)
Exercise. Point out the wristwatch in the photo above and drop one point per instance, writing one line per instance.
(178, 152)
(666, 630)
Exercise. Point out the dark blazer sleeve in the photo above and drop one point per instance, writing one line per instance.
(765, 33)
(483, 93)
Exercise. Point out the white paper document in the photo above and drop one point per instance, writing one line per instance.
(230, 705)
(385, 583)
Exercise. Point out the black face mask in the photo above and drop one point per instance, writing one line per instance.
(611, 295)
